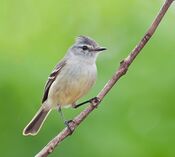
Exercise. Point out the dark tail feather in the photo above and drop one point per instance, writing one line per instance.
(36, 123)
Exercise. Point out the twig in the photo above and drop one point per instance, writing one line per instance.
(124, 65)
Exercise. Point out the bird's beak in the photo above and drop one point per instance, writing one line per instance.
(100, 49)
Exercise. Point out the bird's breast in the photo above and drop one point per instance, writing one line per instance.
(73, 82)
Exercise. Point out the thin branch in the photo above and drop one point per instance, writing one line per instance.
(124, 65)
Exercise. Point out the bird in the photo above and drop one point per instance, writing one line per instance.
(71, 79)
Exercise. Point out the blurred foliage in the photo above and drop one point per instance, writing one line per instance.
(136, 119)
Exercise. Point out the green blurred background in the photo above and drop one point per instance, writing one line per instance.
(136, 119)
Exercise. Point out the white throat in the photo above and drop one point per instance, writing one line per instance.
(85, 59)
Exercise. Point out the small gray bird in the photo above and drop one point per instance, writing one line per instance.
(71, 79)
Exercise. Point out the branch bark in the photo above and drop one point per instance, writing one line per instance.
(124, 65)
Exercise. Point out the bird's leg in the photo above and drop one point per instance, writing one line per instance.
(95, 99)
(66, 122)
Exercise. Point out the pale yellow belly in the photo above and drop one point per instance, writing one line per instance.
(71, 84)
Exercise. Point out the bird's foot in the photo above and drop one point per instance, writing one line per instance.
(93, 101)
(67, 123)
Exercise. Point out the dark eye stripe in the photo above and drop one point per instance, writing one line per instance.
(84, 47)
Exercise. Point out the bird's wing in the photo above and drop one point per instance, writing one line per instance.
(52, 78)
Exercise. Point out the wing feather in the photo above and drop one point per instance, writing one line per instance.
(52, 78)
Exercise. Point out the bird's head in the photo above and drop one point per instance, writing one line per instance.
(86, 47)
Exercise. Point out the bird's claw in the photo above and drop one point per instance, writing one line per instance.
(95, 101)
(67, 123)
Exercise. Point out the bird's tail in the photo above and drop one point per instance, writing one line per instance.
(36, 123)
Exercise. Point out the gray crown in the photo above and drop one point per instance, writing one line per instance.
(86, 40)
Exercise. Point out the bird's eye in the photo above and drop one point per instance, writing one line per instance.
(84, 47)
